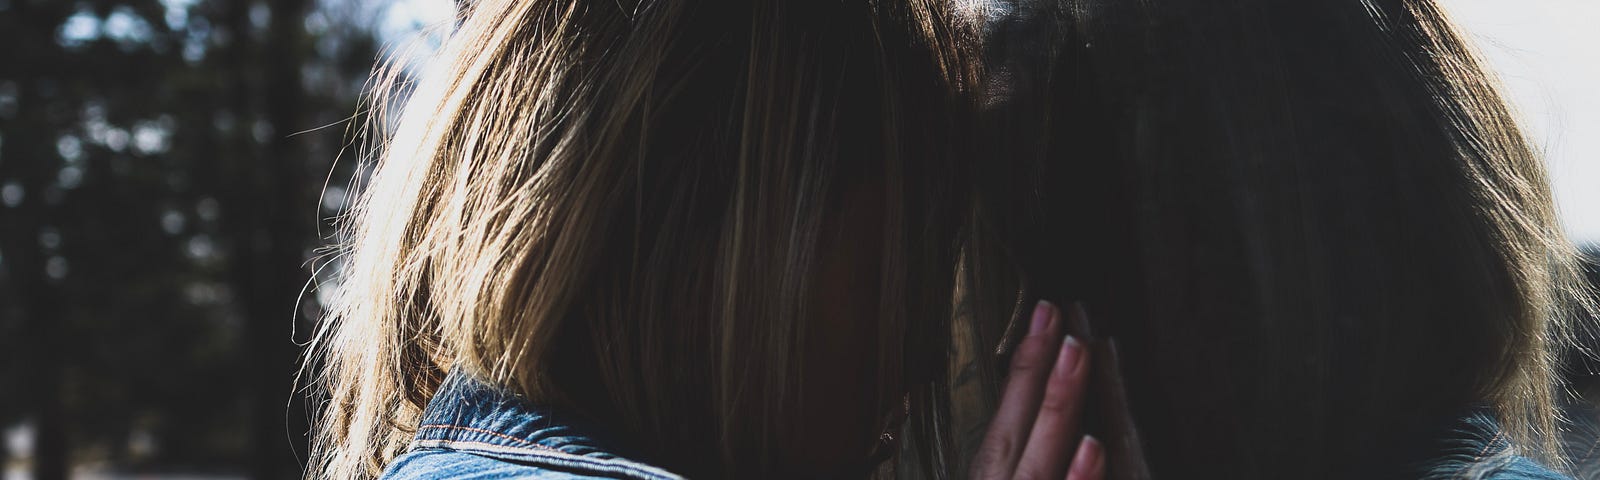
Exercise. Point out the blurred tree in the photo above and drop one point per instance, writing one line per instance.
(157, 215)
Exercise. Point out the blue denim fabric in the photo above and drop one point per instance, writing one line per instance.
(471, 430)
(474, 431)
(1476, 449)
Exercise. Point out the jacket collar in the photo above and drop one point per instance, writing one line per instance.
(469, 415)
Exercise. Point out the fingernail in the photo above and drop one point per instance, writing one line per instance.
(1069, 358)
(1091, 454)
(1041, 317)
(1078, 320)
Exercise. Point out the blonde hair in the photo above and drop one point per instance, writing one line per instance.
(613, 208)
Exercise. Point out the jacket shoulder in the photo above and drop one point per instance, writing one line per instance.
(1522, 468)
(438, 464)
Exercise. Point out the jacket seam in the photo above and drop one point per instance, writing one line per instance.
(544, 452)
(1486, 447)
(522, 442)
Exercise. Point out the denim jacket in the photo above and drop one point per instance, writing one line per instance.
(1476, 449)
(474, 431)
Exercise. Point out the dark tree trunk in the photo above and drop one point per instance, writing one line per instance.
(279, 218)
(38, 301)
(31, 165)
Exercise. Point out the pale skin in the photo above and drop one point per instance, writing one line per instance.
(1036, 432)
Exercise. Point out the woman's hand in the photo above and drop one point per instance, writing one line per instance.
(1035, 432)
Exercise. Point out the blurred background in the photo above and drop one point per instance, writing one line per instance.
(162, 173)
(168, 169)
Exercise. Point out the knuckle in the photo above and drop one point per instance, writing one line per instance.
(1024, 366)
(1058, 399)
(1029, 357)
(998, 449)
(1025, 473)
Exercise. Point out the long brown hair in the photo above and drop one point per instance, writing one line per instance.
(1313, 226)
(612, 207)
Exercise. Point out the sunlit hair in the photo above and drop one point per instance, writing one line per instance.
(1313, 226)
(613, 207)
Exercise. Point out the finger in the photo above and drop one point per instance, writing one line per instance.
(1078, 323)
(1125, 451)
(1055, 430)
(1090, 461)
(1019, 404)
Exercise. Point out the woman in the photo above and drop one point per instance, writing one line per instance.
(669, 238)
(1322, 244)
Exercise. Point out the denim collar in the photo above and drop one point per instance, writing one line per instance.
(1475, 447)
(471, 416)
